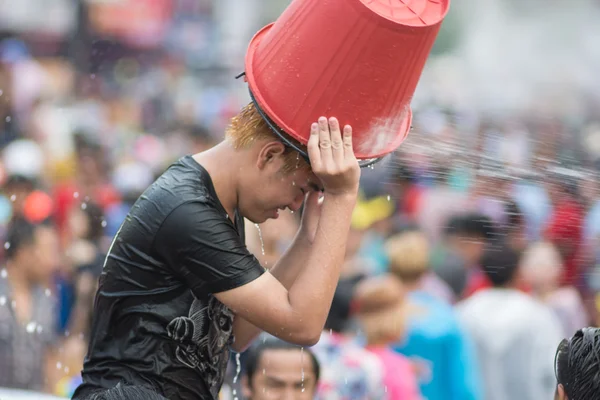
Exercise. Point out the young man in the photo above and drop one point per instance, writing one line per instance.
(515, 335)
(178, 271)
(279, 370)
(27, 309)
(577, 366)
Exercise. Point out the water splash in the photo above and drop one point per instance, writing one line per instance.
(302, 371)
(238, 369)
(31, 327)
(262, 243)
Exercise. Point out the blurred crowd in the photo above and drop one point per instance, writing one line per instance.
(474, 249)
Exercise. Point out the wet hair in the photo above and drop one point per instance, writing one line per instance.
(577, 364)
(500, 264)
(271, 343)
(248, 127)
(126, 392)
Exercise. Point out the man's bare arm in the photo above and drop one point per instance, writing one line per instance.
(285, 271)
(297, 315)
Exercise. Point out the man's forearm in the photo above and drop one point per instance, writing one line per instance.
(285, 270)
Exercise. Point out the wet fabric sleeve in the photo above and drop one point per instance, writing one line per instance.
(204, 249)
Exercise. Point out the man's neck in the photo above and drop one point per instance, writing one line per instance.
(220, 162)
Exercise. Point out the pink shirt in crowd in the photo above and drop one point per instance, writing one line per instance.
(399, 379)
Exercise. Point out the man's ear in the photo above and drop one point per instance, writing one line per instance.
(246, 390)
(269, 152)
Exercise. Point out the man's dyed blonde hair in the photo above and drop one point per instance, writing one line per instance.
(248, 128)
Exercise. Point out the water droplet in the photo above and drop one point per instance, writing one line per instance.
(13, 197)
(262, 243)
(59, 365)
(39, 329)
(292, 211)
(93, 76)
(7, 245)
(388, 197)
(31, 327)
(302, 371)
(76, 194)
(1, 92)
(3, 273)
(13, 304)
(47, 292)
(7, 119)
(2, 300)
(83, 206)
(67, 333)
(103, 224)
(238, 368)
(264, 371)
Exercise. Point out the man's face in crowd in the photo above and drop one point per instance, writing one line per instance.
(470, 248)
(278, 376)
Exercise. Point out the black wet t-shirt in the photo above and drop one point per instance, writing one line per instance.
(156, 321)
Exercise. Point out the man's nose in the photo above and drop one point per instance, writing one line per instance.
(297, 203)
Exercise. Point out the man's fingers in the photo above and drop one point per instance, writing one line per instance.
(337, 146)
(325, 141)
(314, 153)
(347, 139)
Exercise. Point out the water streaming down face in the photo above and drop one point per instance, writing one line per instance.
(260, 237)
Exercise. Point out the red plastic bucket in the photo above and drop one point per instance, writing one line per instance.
(357, 60)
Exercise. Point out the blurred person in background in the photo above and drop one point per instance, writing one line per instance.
(27, 307)
(373, 216)
(382, 313)
(577, 366)
(89, 183)
(16, 189)
(275, 369)
(130, 178)
(564, 229)
(515, 334)
(441, 352)
(542, 267)
(348, 370)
